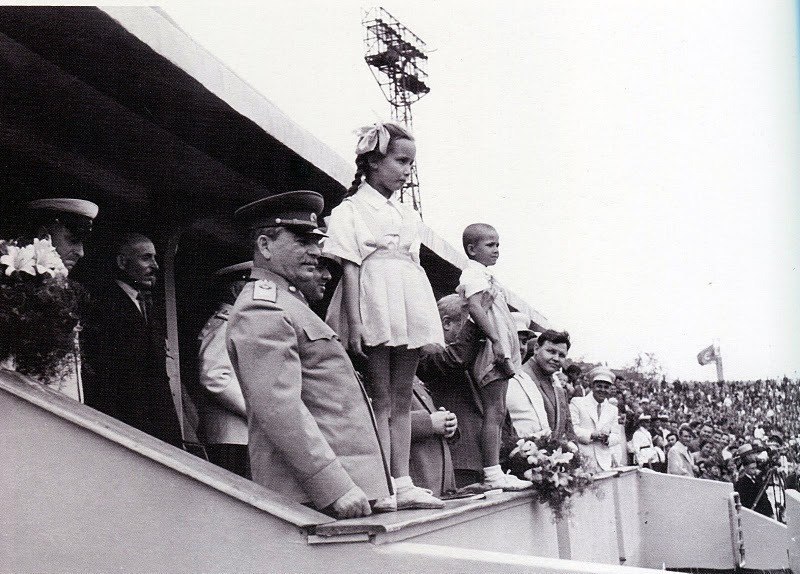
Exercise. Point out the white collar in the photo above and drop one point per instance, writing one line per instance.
(129, 291)
(375, 199)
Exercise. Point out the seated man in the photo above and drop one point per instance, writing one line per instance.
(311, 432)
(431, 463)
(595, 421)
(535, 400)
(446, 373)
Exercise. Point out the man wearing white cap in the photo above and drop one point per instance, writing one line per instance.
(67, 221)
(595, 421)
(641, 445)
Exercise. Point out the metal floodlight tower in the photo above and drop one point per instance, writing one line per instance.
(397, 57)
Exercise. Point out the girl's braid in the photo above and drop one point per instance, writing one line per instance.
(361, 171)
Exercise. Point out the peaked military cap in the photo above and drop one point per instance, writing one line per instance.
(602, 374)
(234, 272)
(75, 214)
(296, 209)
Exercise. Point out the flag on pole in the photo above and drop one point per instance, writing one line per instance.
(707, 355)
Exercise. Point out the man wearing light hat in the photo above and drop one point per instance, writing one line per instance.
(641, 445)
(595, 421)
(66, 221)
(223, 415)
(312, 436)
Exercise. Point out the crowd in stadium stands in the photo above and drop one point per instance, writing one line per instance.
(734, 431)
(452, 385)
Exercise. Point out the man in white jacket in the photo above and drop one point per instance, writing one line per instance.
(595, 421)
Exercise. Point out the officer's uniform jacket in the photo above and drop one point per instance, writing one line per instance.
(223, 416)
(585, 421)
(312, 435)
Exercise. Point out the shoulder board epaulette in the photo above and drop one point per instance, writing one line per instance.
(265, 290)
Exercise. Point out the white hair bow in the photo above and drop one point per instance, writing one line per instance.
(371, 137)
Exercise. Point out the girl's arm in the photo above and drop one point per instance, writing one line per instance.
(478, 314)
(352, 308)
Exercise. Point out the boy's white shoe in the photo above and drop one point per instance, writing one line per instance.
(416, 497)
(508, 482)
(385, 504)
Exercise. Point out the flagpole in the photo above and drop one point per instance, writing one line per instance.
(718, 361)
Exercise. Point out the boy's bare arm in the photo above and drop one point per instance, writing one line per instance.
(481, 319)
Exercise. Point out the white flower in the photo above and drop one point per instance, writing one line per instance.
(560, 457)
(544, 433)
(47, 258)
(19, 259)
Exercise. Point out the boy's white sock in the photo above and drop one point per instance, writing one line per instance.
(403, 483)
(493, 472)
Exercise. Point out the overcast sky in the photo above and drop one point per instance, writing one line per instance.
(640, 160)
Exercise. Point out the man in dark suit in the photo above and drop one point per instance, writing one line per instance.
(125, 346)
(446, 373)
(431, 465)
(751, 482)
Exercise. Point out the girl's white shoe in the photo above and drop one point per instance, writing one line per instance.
(416, 497)
(508, 482)
(385, 504)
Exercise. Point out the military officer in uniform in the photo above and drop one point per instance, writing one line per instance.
(312, 435)
(67, 221)
(223, 415)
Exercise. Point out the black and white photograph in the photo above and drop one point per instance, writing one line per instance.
(422, 287)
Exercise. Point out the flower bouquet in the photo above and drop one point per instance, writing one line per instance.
(39, 258)
(39, 309)
(555, 468)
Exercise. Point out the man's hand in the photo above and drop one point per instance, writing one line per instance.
(600, 437)
(444, 422)
(352, 504)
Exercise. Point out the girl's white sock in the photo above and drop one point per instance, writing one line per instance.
(493, 472)
(403, 483)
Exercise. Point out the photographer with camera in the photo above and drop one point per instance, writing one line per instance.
(751, 485)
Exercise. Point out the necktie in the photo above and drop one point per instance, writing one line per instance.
(599, 408)
(142, 299)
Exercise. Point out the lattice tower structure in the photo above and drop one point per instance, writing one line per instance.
(397, 58)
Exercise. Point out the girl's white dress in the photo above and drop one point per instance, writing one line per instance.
(382, 237)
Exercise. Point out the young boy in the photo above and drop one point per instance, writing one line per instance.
(499, 358)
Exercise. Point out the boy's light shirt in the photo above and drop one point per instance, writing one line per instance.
(475, 278)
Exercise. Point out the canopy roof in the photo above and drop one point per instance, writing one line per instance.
(119, 106)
